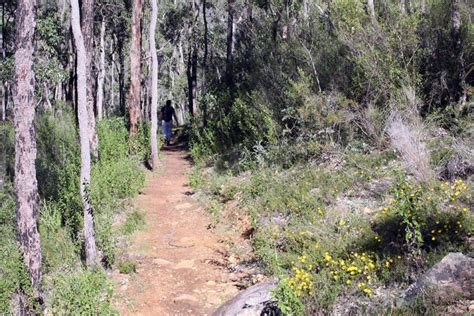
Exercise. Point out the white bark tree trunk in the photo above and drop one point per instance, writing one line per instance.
(87, 29)
(26, 186)
(154, 86)
(112, 77)
(371, 9)
(84, 132)
(4, 100)
(101, 75)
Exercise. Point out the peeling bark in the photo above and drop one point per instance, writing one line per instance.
(26, 186)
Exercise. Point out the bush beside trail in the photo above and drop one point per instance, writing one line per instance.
(116, 177)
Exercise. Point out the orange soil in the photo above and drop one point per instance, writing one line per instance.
(176, 253)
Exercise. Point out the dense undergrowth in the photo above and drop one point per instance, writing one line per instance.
(69, 287)
(357, 178)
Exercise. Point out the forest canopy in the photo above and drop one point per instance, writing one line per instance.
(320, 109)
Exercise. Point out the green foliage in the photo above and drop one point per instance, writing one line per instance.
(139, 145)
(127, 266)
(288, 302)
(59, 251)
(325, 237)
(420, 216)
(134, 221)
(113, 137)
(85, 292)
(7, 66)
(7, 149)
(115, 177)
(13, 274)
(247, 123)
(58, 164)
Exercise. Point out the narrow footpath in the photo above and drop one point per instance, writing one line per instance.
(176, 253)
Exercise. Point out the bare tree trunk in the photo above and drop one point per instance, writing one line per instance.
(101, 75)
(403, 6)
(112, 80)
(47, 102)
(4, 100)
(191, 74)
(134, 92)
(89, 238)
(72, 75)
(424, 7)
(306, 9)
(371, 9)
(229, 71)
(204, 62)
(26, 186)
(121, 74)
(154, 86)
(4, 55)
(87, 15)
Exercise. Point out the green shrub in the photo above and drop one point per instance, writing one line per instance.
(59, 251)
(134, 221)
(58, 165)
(417, 217)
(127, 266)
(139, 145)
(113, 137)
(13, 275)
(85, 292)
(7, 150)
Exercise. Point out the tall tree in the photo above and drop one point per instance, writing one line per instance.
(84, 132)
(87, 28)
(26, 186)
(229, 71)
(204, 61)
(4, 56)
(154, 85)
(371, 9)
(135, 71)
(101, 74)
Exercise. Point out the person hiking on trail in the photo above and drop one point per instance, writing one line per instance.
(167, 114)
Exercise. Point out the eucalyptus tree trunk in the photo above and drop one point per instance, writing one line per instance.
(84, 132)
(371, 9)
(112, 78)
(101, 75)
(403, 6)
(191, 74)
(87, 24)
(306, 9)
(135, 73)
(26, 186)
(4, 55)
(230, 45)
(204, 61)
(154, 86)
(4, 100)
(424, 9)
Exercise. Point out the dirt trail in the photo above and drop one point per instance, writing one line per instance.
(176, 252)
